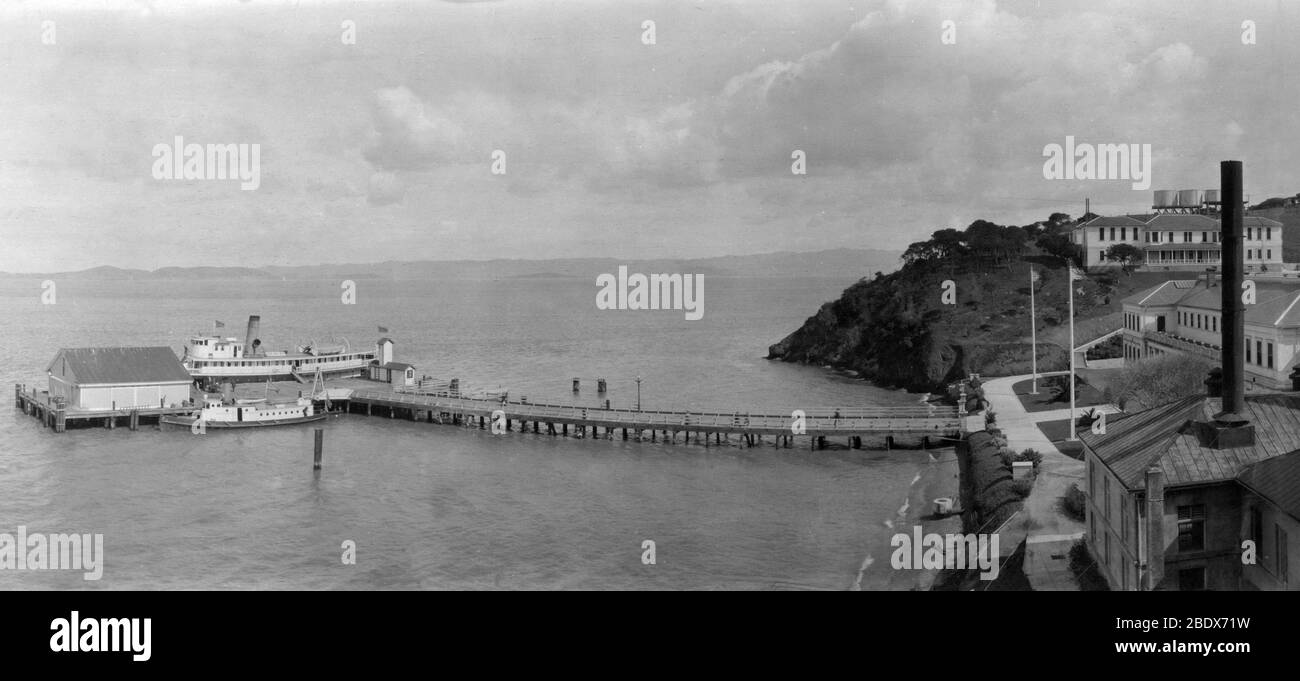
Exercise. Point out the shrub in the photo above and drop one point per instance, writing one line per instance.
(1075, 503)
(1022, 487)
(1031, 455)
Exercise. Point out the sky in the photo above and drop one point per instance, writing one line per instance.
(382, 148)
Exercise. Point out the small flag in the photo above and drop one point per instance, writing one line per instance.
(383, 329)
(1034, 276)
(221, 324)
(1076, 274)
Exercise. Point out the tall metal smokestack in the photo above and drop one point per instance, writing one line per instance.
(1232, 426)
(251, 340)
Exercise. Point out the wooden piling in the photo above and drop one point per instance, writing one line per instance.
(320, 446)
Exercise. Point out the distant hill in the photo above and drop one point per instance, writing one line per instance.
(837, 263)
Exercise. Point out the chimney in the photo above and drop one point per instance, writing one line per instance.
(251, 341)
(1230, 427)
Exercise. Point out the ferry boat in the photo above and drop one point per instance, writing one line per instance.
(214, 359)
(219, 413)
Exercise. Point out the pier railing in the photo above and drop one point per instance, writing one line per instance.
(918, 418)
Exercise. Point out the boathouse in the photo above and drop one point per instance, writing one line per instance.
(118, 378)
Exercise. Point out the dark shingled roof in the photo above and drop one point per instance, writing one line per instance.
(1164, 436)
(92, 366)
(1278, 480)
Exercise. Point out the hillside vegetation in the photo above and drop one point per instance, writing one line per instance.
(896, 329)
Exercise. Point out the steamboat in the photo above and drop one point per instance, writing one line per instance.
(215, 360)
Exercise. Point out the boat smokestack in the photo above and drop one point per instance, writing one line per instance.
(1230, 427)
(251, 341)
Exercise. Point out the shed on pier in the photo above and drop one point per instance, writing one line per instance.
(393, 373)
(118, 378)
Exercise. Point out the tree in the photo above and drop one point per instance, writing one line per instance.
(1155, 381)
(1127, 255)
(1058, 218)
(1060, 246)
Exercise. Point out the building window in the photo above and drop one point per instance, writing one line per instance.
(1259, 356)
(1205, 237)
(1146, 238)
(1270, 254)
(1248, 358)
(1123, 233)
(1214, 321)
(1279, 550)
(1187, 237)
(1171, 237)
(1101, 234)
(1250, 234)
(1191, 527)
(1191, 580)
(1268, 233)
(1270, 354)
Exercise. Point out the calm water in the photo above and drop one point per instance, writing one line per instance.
(447, 508)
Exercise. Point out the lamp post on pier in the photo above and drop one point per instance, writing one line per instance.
(638, 393)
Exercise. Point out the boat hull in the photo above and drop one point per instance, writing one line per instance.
(188, 421)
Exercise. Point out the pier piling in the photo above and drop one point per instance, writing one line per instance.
(320, 446)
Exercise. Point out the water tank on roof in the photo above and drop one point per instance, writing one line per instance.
(1211, 196)
(1165, 198)
(1189, 198)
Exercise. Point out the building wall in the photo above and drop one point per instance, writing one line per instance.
(1204, 325)
(1094, 245)
(126, 397)
(1113, 527)
(1268, 573)
(1220, 554)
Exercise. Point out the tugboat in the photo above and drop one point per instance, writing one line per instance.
(248, 413)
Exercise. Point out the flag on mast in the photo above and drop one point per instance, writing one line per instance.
(383, 329)
(220, 324)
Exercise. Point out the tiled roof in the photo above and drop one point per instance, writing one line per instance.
(1258, 221)
(1182, 221)
(1163, 436)
(1278, 480)
(92, 366)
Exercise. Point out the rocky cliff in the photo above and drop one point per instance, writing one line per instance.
(900, 330)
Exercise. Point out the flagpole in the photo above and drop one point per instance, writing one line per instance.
(1033, 332)
(1073, 436)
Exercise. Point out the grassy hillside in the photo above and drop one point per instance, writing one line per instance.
(898, 330)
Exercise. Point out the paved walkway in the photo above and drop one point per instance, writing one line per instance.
(1049, 533)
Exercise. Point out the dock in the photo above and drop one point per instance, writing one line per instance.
(874, 428)
(910, 427)
(54, 412)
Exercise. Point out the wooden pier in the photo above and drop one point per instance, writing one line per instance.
(874, 428)
(885, 427)
(54, 413)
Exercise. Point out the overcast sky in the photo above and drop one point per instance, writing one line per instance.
(382, 150)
